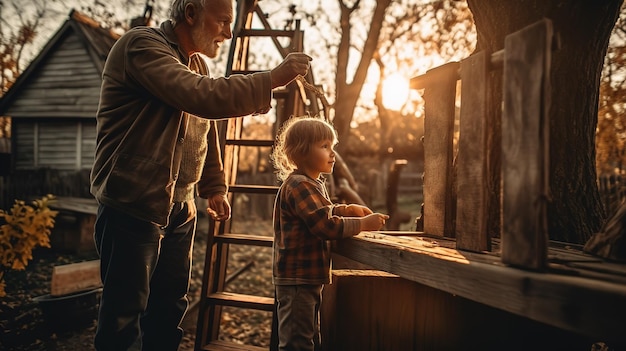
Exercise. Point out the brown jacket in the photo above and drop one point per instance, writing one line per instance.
(140, 125)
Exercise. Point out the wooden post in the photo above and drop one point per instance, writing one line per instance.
(472, 215)
(396, 217)
(525, 146)
(439, 108)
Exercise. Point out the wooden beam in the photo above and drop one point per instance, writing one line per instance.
(439, 109)
(422, 81)
(75, 277)
(472, 213)
(525, 146)
(76, 204)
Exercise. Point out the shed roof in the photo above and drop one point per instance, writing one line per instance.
(64, 79)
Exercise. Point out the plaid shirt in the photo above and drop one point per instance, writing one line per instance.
(303, 222)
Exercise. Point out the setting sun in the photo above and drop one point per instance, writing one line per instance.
(395, 91)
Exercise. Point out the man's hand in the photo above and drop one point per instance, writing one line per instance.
(295, 64)
(219, 207)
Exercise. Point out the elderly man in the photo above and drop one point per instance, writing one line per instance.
(157, 149)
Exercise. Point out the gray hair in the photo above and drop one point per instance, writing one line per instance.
(177, 10)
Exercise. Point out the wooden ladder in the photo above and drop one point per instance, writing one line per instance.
(297, 98)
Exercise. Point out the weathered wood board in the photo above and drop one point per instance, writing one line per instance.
(75, 277)
(472, 160)
(439, 110)
(525, 146)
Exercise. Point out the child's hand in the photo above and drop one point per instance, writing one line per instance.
(373, 221)
(357, 211)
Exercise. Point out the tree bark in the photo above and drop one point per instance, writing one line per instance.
(583, 29)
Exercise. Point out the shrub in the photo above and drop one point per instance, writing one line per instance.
(22, 229)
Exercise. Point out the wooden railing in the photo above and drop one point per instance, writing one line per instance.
(456, 253)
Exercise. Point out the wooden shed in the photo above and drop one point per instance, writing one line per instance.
(52, 107)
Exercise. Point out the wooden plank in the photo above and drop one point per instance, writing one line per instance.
(76, 204)
(571, 302)
(221, 345)
(422, 81)
(439, 108)
(472, 213)
(75, 277)
(525, 146)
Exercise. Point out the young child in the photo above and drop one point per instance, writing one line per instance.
(304, 220)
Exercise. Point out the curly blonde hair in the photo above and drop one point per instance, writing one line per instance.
(294, 140)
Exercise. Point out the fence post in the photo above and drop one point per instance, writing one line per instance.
(439, 112)
(525, 146)
(472, 216)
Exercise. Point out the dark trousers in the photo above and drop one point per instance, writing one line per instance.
(145, 271)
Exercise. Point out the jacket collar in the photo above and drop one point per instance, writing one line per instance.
(170, 36)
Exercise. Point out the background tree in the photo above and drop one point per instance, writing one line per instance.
(398, 33)
(19, 27)
(611, 131)
(347, 91)
(17, 31)
(583, 27)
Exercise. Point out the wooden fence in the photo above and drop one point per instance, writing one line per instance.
(457, 190)
(30, 184)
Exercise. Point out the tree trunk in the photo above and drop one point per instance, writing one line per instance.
(347, 93)
(583, 29)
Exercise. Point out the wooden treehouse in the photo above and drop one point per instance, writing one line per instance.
(450, 286)
(458, 287)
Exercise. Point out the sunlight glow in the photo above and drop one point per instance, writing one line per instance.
(395, 91)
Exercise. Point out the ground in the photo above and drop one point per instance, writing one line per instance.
(23, 324)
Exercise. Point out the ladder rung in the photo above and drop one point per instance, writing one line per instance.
(260, 303)
(253, 189)
(280, 93)
(265, 33)
(245, 239)
(221, 345)
(249, 142)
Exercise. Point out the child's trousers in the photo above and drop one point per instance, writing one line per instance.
(299, 317)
